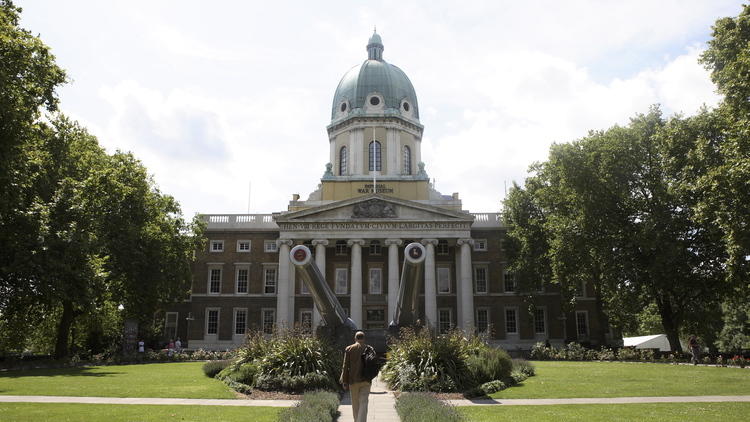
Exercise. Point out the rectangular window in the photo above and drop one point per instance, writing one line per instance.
(240, 321)
(442, 247)
(305, 320)
(581, 289)
(242, 280)
(375, 318)
(444, 320)
(444, 279)
(483, 320)
(540, 321)
(511, 321)
(268, 319)
(269, 246)
(170, 325)
(303, 288)
(342, 281)
(341, 247)
(243, 246)
(212, 321)
(217, 246)
(509, 279)
(376, 281)
(214, 280)
(582, 323)
(480, 245)
(375, 248)
(480, 279)
(269, 280)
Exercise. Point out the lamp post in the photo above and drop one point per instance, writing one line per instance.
(187, 333)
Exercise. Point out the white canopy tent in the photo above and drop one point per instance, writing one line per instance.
(656, 341)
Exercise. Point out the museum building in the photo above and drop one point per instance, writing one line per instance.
(373, 199)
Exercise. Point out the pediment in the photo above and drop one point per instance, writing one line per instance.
(374, 208)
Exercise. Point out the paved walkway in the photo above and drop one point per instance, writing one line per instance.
(599, 400)
(381, 406)
(146, 400)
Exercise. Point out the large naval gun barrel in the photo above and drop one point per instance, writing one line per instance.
(329, 307)
(408, 291)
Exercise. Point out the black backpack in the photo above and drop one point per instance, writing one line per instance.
(370, 367)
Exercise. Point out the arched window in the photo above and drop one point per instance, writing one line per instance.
(343, 161)
(375, 156)
(407, 160)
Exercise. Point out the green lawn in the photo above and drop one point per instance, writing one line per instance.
(656, 412)
(178, 380)
(619, 379)
(70, 412)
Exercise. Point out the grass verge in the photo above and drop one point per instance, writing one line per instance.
(76, 412)
(656, 412)
(178, 380)
(619, 379)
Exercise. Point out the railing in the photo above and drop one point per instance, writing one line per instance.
(487, 219)
(232, 221)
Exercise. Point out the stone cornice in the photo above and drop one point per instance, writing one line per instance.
(358, 122)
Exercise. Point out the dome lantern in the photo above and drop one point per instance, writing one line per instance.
(375, 47)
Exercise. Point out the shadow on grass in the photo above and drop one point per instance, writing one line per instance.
(57, 372)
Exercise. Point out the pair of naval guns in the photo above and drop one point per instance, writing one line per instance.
(339, 328)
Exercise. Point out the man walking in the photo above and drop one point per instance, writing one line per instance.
(353, 379)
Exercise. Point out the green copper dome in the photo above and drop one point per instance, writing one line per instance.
(394, 94)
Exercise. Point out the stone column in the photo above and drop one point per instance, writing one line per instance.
(467, 290)
(430, 287)
(320, 261)
(283, 292)
(393, 276)
(392, 152)
(459, 293)
(355, 306)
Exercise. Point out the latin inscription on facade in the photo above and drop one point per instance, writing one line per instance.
(367, 225)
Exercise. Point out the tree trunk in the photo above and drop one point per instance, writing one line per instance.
(63, 330)
(671, 326)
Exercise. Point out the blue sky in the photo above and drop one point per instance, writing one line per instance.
(212, 96)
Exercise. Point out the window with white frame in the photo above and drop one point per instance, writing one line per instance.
(342, 281)
(582, 324)
(214, 280)
(243, 246)
(442, 247)
(341, 247)
(375, 247)
(540, 321)
(480, 245)
(511, 321)
(242, 279)
(375, 162)
(270, 246)
(212, 321)
(170, 324)
(509, 280)
(267, 320)
(444, 279)
(480, 279)
(303, 288)
(483, 320)
(217, 246)
(444, 320)
(375, 283)
(343, 161)
(240, 321)
(305, 320)
(270, 277)
(406, 159)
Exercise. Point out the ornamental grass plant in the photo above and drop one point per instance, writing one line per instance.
(421, 407)
(318, 406)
